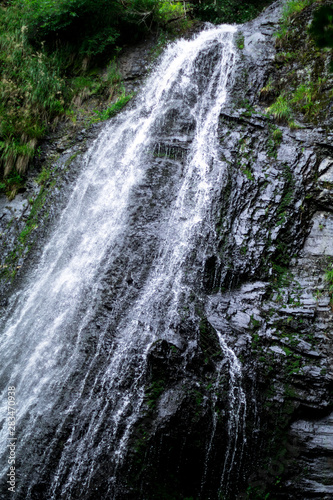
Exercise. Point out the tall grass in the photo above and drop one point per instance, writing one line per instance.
(47, 48)
(302, 93)
(281, 108)
(31, 93)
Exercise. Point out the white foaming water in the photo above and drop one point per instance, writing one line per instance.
(237, 414)
(42, 344)
(236, 417)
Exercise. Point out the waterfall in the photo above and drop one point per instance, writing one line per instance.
(113, 276)
(236, 420)
(237, 404)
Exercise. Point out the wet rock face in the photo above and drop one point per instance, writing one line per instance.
(260, 282)
(133, 64)
(274, 245)
(263, 284)
(178, 417)
(312, 443)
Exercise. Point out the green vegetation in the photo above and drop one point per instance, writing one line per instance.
(277, 136)
(305, 99)
(245, 156)
(247, 172)
(322, 28)
(10, 266)
(50, 52)
(154, 392)
(285, 202)
(256, 493)
(44, 176)
(231, 11)
(31, 94)
(329, 279)
(90, 27)
(12, 184)
(290, 9)
(40, 203)
(113, 109)
(208, 339)
(281, 108)
(240, 41)
(306, 90)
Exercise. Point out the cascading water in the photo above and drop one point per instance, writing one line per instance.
(236, 420)
(124, 241)
(237, 402)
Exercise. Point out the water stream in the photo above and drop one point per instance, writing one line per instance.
(139, 210)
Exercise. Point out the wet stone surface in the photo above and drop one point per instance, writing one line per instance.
(257, 276)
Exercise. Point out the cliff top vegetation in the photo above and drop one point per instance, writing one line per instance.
(51, 52)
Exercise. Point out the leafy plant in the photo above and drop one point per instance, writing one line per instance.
(240, 41)
(305, 97)
(11, 184)
(31, 93)
(277, 135)
(94, 26)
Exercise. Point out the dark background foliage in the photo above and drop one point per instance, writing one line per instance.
(52, 53)
(230, 11)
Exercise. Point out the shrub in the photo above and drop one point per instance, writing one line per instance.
(13, 182)
(89, 25)
(45, 49)
(93, 26)
(322, 26)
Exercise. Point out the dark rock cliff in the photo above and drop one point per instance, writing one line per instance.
(262, 284)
